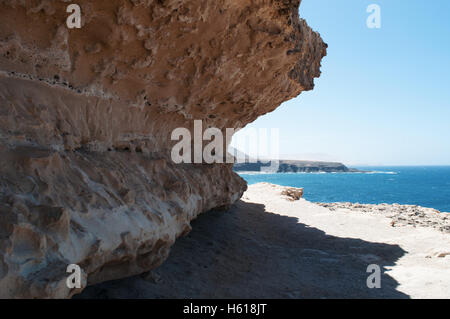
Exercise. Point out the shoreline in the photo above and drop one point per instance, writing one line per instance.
(400, 214)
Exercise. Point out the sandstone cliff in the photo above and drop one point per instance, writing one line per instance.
(86, 117)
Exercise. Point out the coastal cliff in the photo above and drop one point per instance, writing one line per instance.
(86, 117)
(292, 166)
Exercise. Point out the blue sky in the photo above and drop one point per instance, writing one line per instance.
(384, 94)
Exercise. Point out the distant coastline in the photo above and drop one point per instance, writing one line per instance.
(294, 166)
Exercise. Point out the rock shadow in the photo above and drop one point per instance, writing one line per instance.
(247, 252)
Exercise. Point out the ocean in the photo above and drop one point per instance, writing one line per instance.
(427, 186)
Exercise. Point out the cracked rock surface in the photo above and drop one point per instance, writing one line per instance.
(86, 117)
(401, 215)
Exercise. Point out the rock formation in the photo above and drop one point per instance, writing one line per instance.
(86, 117)
(400, 215)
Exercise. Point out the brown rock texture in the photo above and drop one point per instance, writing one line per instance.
(86, 117)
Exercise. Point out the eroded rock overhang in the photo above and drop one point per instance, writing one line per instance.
(86, 117)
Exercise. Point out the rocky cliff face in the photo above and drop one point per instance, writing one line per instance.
(86, 117)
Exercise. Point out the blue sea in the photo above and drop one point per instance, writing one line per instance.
(427, 186)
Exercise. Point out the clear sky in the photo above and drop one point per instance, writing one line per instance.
(384, 94)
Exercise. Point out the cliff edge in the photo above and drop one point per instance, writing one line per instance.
(86, 117)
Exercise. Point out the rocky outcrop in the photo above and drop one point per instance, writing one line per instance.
(292, 193)
(86, 117)
(400, 215)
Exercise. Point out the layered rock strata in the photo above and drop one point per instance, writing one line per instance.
(86, 117)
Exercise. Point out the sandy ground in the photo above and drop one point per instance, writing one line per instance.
(267, 246)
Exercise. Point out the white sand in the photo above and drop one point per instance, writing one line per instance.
(419, 272)
(269, 247)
